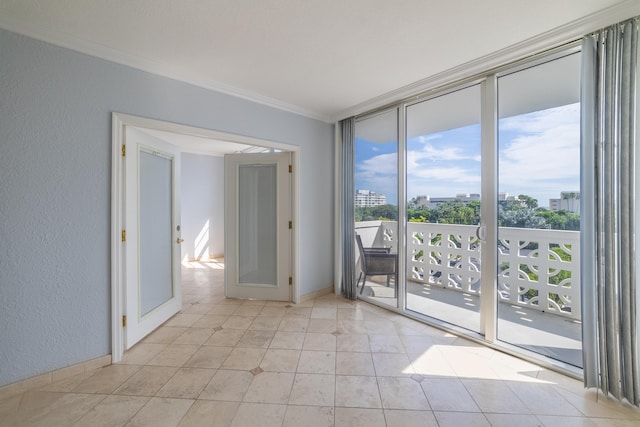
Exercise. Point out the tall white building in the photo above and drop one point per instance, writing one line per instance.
(568, 201)
(366, 198)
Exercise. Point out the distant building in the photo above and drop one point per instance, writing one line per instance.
(568, 201)
(433, 202)
(366, 198)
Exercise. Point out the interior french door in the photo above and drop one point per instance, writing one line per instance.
(151, 235)
(258, 226)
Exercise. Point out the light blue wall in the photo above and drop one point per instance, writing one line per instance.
(202, 196)
(55, 171)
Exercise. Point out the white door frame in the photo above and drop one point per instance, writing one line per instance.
(119, 122)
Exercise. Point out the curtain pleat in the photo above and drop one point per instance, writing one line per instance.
(348, 283)
(608, 265)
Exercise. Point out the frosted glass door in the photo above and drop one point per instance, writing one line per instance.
(156, 286)
(258, 226)
(257, 210)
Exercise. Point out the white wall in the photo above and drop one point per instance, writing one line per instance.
(55, 187)
(202, 189)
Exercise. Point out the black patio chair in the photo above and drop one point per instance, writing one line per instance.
(377, 262)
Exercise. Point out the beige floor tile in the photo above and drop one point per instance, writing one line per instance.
(317, 362)
(270, 387)
(359, 417)
(448, 394)
(269, 311)
(143, 352)
(173, 355)
(392, 364)
(457, 419)
(278, 360)
(555, 421)
(224, 310)
(319, 342)
(147, 381)
(348, 363)
(211, 321)
(195, 336)
(112, 411)
(263, 323)
(357, 392)
(67, 384)
(208, 357)
(543, 399)
(494, 396)
(353, 342)
(210, 414)
(513, 420)
(293, 324)
(304, 312)
(225, 338)
(350, 314)
(187, 383)
(402, 393)
(163, 335)
(227, 385)
(244, 358)
(198, 308)
(324, 313)
(238, 322)
(380, 327)
(52, 409)
(417, 344)
(258, 339)
(407, 418)
(352, 327)
(183, 320)
(288, 340)
(161, 412)
(253, 414)
(385, 344)
(313, 390)
(107, 379)
(322, 326)
(10, 405)
(432, 363)
(309, 416)
(248, 310)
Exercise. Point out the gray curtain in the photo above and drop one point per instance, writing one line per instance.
(347, 233)
(610, 347)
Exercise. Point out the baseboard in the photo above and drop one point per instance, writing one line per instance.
(316, 294)
(53, 376)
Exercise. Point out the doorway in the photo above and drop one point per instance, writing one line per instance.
(186, 139)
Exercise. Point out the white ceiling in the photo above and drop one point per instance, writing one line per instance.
(319, 58)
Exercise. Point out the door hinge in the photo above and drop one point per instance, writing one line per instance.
(124, 321)
(124, 150)
(124, 235)
(290, 225)
(290, 168)
(290, 281)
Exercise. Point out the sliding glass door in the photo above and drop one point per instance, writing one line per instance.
(539, 209)
(443, 179)
(376, 206)
(474, 194)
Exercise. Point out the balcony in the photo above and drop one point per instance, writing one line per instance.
(538, 281)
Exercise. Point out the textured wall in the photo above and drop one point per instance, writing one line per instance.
(202, 193)
(55, 171)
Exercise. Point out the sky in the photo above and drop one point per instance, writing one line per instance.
(538, 155)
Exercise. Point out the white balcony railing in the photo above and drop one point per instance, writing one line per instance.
(538, 269)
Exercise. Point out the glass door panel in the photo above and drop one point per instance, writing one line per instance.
(443, 207)
(376, 206)
(539, 209)
(257, 229)
(156, 230)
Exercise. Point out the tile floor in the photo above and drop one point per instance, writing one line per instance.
(325, 362)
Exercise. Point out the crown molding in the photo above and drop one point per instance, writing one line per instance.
(561, 35)
(69, 41)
